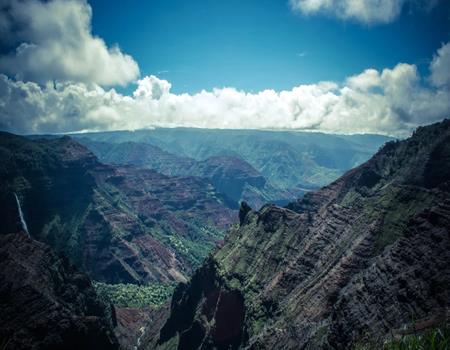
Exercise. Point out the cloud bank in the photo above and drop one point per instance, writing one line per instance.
(393, 101)
(53, 41)
(57, 76)
(365, 11)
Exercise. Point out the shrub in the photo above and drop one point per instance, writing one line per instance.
(132, 295)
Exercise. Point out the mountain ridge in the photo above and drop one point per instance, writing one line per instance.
(286, 159)
(316, 274)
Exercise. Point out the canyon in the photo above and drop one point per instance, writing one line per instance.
(341, 266)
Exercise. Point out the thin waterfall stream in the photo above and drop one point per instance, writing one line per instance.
(22, 219)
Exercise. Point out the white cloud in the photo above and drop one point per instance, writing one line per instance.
(440, 66)
(152, 87)
(365, 11)
(392, 101)
(52, 40)
(370, 78)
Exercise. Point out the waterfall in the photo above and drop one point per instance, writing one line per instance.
(22, 219)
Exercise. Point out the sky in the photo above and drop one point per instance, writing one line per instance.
(262, 44)
(340, 66)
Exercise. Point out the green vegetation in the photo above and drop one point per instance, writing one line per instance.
(132, 295)
(432, 339)
(194, 248)
(193, 251)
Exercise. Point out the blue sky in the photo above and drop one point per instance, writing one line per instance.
(258, 44)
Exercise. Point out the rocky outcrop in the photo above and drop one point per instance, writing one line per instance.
(347, 264)
(206, 313)
(46, 303)
(243, 211)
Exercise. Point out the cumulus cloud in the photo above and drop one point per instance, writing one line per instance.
(52, 40)
(392, 101)
(365, 11)
(440, 66)
(152, 87)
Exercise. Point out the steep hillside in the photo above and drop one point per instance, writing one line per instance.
(119, 224)
(287, 160)
(46, 303)
(345, 265)
(231, 176)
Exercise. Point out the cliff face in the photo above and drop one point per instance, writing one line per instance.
(119, 224)
(349, 263)
(46, 303)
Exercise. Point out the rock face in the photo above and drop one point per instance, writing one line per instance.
(119, 224)
(131, 324)
(46, 303)
(344, 265)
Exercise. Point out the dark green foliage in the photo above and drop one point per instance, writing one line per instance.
(132, 295)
